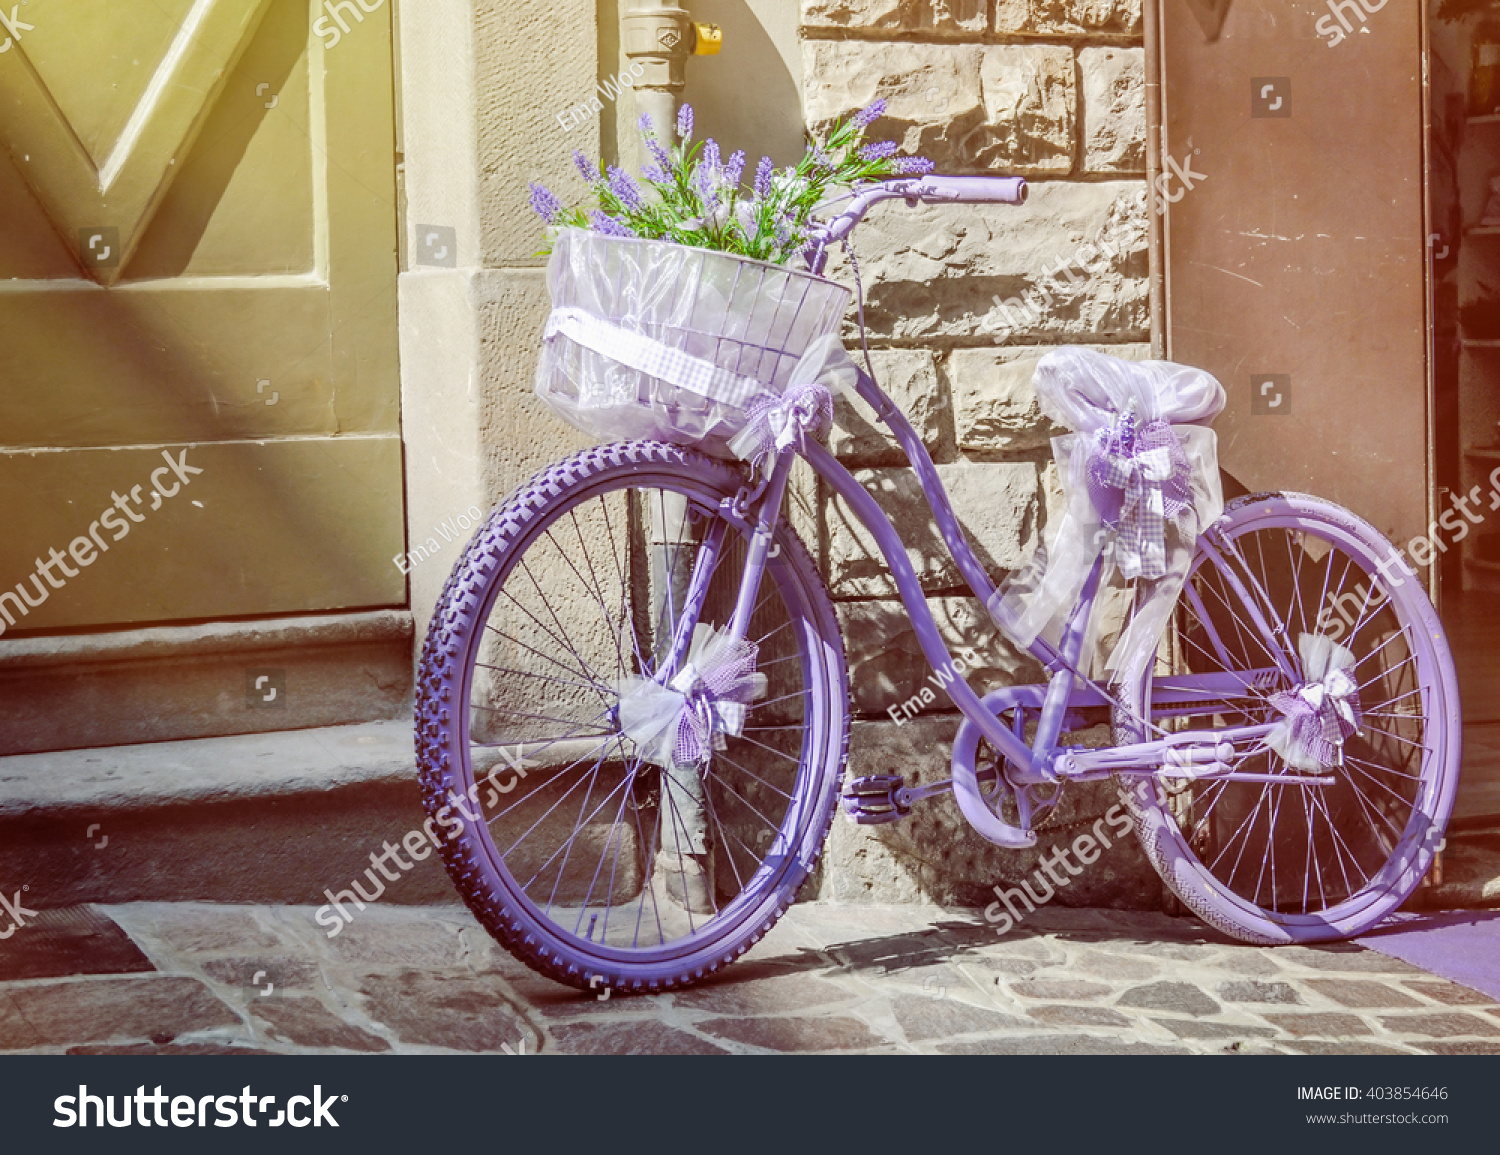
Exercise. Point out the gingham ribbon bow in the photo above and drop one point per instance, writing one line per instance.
(775, 421)
(1322, 714)
(678, 725)
(1138, 481)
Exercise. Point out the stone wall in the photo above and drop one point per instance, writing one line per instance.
(960, 302)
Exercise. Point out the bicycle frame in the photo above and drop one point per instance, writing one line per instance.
(1187, 753)
(864, 507)
(1181, 754)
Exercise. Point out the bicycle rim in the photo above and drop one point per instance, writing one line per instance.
(622, 867)
(1282, 860)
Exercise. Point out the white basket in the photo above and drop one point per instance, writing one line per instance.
(658, 340)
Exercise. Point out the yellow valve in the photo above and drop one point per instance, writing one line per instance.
(708, 39)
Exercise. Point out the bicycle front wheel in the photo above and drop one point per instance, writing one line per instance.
(1302, 855)
(588, 863)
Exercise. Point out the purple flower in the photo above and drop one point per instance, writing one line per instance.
(604, 223)
(868, 116)
(821, 159)
(709, 172)
(586, 167)
(655, 173)
(763, 177)
(880, 150)
(685, 122)
(912, 165)
(544, 202)
(647, 128)
(735, 169)
(662, 158)
(626, 191)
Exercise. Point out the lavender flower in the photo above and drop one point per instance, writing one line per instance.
(685, 122)
(710, 172)
(735, 169)
(604, 223)
(586, 167)
(661, 157)
(763, 177)
(626, 191)
(656, 174)
(648, 129)
(544, 202)
(880, 150)
(868, 116)
(912, 165)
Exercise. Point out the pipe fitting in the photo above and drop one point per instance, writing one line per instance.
(661, 37)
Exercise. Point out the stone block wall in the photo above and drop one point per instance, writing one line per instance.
(960, 302)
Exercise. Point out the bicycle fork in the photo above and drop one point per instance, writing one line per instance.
(684, 819)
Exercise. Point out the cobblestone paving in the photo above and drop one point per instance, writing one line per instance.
(423, 980)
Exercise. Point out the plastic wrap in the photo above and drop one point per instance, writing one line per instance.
(658, 340)
(1140, 478)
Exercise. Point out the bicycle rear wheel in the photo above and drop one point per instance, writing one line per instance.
(1282, 861)
(589, 864)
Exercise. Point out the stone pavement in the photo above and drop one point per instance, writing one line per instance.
(206, 979)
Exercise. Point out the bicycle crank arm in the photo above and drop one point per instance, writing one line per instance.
(876, 799)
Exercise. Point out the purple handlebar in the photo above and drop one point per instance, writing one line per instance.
(970, 190)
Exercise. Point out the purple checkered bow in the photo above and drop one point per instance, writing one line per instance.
(1319, 718)
(772, 421)
(726, 678)
(1138, 480)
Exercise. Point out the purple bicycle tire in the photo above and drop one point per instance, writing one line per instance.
(1408, 860)
(475, 865)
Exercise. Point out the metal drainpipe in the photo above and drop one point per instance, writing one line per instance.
(661, 36)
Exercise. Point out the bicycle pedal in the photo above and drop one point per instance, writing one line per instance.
(876, 799)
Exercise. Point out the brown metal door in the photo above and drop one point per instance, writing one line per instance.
(1295, 241)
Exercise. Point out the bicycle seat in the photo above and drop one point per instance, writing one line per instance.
(1087, 391)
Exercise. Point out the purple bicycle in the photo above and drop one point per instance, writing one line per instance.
(632, 712)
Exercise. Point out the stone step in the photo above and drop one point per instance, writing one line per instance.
(283, 817)
(257, 818)
(174, 683)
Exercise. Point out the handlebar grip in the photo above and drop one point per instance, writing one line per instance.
(973, 190)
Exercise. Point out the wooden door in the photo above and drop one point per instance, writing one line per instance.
(198, 384)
